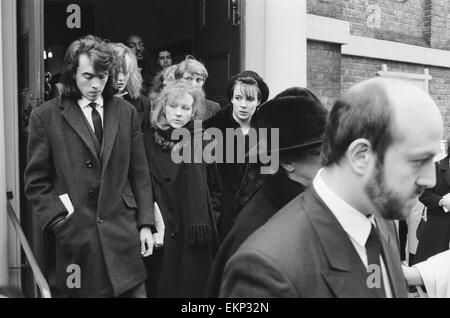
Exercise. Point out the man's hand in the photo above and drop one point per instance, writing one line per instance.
(147, 242)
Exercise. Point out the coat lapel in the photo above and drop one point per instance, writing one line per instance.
(391, 258)
(111, 123)
(74, 116)
(347, 275)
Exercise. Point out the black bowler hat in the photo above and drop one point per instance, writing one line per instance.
(259, 80)
(300, 117)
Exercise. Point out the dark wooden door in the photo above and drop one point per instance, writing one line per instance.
(217, 42)
(31, 94)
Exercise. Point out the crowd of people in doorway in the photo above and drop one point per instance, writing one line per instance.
(101, 176)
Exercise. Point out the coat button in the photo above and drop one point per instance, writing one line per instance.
(91, 194)
(167, 178)
(89, 164)
(99, 220)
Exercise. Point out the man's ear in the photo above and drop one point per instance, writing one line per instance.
(288, 167)
(359, 155)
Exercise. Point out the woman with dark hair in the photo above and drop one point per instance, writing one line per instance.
(128, 82)
(240, 178)
(185, 193)
(300, 119)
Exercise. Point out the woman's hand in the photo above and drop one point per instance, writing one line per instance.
(147, 241)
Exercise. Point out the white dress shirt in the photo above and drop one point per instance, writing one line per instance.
(355, 224)
(87, 110)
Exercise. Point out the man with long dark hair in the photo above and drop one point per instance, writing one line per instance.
(88, 179)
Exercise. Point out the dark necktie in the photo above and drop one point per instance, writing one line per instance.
(97, 121)
(373, 248)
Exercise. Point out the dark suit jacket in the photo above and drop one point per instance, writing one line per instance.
(276, 192)
(304, 252)
(436, 231)
(109, 188)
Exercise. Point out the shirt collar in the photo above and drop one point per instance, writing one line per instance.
(354, 223)
(84, 102)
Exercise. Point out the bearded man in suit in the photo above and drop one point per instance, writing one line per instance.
(88, 179)
(335, 239)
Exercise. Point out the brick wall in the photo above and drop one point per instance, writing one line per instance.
(417, 22)
(326, 8)
(437, 23)
(356, 69)
(324, 71)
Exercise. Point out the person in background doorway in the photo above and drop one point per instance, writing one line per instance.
(136, 44)
(194, 72)
(163, 59)
(128, 82)
(161, 80)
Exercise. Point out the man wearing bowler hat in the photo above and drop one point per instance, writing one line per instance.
(335, 240)
(300, 118)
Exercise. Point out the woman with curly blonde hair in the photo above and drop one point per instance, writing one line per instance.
(128, 81)
(186, 193)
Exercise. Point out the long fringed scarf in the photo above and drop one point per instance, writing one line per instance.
(192, 188)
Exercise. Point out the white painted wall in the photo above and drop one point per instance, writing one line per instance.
(275, 42)
(11, 122)
(4, 265)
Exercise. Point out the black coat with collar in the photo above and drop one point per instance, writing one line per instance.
(303, 251)
(436, 232)
(275, 193)
(178, 269)
(110, 190)
(240, 181)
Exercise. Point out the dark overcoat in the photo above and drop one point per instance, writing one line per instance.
(303, 251)
(109, 188)
(180, 269)
(143, 107)
(240, 180)
(435, 235)
(211, 109)
(276, 192)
